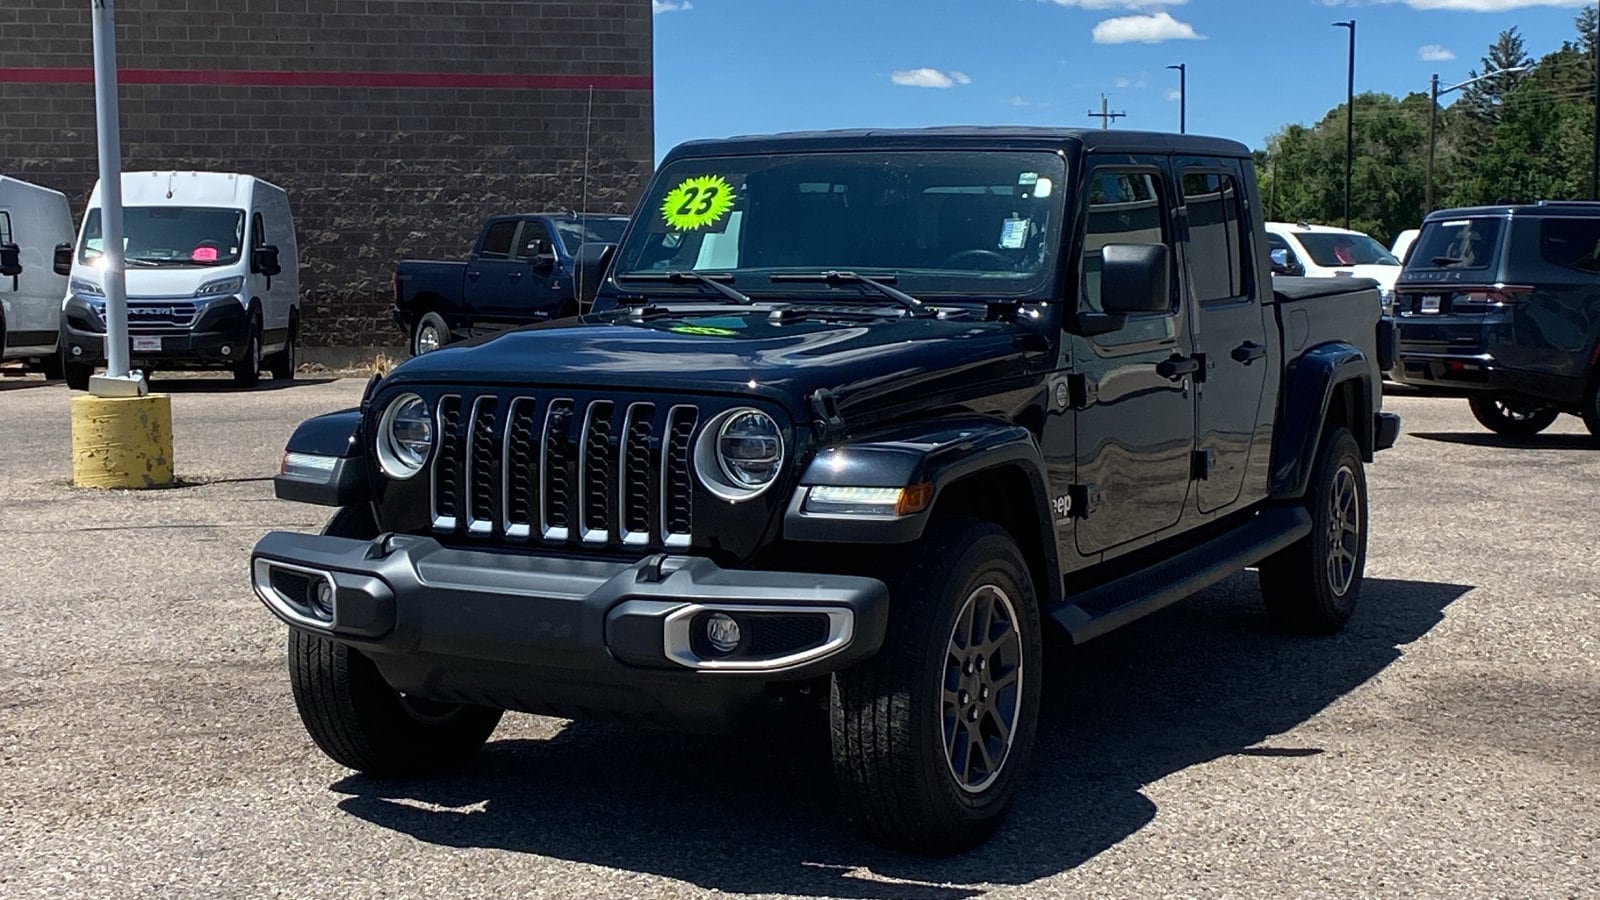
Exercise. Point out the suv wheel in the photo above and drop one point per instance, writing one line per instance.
(931, 737)
(357, 719)
(1512, 418)
(247, 371)
(1312, 585)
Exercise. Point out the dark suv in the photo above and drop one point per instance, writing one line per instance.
(1501, 304)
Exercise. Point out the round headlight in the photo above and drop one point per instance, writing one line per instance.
(405, 435)
(740, 454)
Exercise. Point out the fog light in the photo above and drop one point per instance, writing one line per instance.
(322, 598)
(77, 351)
(722, 632)
(227, 350)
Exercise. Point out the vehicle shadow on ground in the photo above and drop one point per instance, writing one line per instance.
(18, 383)
(1490, 439)
(224, 385)
(756, 814)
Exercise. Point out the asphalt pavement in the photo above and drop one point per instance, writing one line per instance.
(1446, 744)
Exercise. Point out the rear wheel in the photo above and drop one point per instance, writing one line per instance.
(247, 371)
(931, 737)
(430, 334)
(1513, 418)
(1313, 585)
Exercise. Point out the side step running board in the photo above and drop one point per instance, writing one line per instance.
(1141, 593)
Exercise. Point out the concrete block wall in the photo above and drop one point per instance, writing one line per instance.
(395, 125)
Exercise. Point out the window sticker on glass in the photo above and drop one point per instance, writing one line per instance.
(1013, 234)
(697, 203)
(1027, 178)
(1042, 188)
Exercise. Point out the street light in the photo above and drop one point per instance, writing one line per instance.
(1183, 97)
(1349, 117)
(1434, 93)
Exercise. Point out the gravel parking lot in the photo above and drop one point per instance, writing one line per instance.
(1448, 743)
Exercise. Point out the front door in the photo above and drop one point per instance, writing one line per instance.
(495, 278)
(1229, 332)
(1135, 425)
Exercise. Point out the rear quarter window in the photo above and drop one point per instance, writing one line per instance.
(1470, 243)
(1571, 243)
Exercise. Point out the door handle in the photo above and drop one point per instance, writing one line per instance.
(516, 276)
(1248, 352)
(473, 275)
(1178, 367)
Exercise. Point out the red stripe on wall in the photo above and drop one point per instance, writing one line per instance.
(19, 75)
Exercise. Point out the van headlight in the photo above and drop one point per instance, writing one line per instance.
(739, 454)
(85, 288)
(405, 436)
(221, 287)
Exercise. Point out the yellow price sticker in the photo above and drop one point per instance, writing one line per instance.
(697, 203)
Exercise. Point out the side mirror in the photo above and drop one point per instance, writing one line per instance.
(589, 268)
(1135, 278)
(10, 261)
(1282, 265)
(264, 261)
(63, 259)
(544, 262)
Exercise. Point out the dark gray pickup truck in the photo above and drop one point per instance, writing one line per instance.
(519, 272)
(857, 418)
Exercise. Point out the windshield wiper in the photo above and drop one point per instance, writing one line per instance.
(141, 261)
(881, 284)
(1448, 260)
(712, 281)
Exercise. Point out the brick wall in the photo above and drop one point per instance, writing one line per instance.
(395, 125)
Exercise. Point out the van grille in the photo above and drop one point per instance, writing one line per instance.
(598, 472)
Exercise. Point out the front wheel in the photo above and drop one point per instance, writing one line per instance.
(1591, 409)
(1512, 418)
(283, 362)
(1312, 585)
(77, 375)
(931, 737)
(247, 371)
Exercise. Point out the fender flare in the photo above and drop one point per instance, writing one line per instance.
(341, 479)
(1311, 385)
(939, 454)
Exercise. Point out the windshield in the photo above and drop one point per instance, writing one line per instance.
(1456, 244)
(171, 236)
(576, 233)
(940, 221)
(1332, 249)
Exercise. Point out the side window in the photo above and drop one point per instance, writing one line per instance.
(535, 239)
(5, 227)
(1569, 243)
(1125, 207)
(497, 241)
(258, 232)
(1216, 253)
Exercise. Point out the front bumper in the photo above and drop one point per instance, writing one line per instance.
(569, 637)
(218, 338)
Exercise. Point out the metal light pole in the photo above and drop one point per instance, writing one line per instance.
(1594, 175)
(1349, 118)
(109, 134)
(1434, 93)
(1183, 97)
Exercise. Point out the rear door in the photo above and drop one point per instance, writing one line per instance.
(494, 275)
(1135, 427)
(1229, 332)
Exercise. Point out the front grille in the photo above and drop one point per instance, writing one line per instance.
(160, 316)
(557, 470)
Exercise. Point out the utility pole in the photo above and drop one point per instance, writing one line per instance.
(1349, 117)
(1434, 93)
(1594, 174)
(1183, 97)
(1105, 115)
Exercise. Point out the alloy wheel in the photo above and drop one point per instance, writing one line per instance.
(982, 691)
(1344, 529)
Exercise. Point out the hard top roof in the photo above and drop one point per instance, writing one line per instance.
(1542, 208)
(1000, 137)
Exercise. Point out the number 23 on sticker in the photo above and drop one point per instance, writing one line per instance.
(697, 203)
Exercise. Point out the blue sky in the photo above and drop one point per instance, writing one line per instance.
(742, 66)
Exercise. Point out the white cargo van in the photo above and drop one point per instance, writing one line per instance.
(33, 220)
(212, 278)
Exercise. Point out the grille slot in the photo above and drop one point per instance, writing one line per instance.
(557, 456)
(521, 469)
(636, 474)
(677, 515)
(483, 468)
(595, 472)
(447, 466)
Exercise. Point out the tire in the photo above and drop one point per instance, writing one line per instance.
(1313, 585)
(429, 334)
(247, 372)
(894, 716)
(77, 375)
(362, 723)
(1512, 418)
(1591, 409)
(55, 365)
(282, 364)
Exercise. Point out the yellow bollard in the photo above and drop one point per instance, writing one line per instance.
(122, 442)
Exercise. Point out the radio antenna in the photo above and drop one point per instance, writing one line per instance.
(583, 209)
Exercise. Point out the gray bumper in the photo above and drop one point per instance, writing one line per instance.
(568, 636)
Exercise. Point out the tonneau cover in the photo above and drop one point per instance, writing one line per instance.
(1288, 289)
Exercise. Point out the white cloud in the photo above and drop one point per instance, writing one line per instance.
(1025, 102)
(1434, 53)
(928, 78)
(1174, 94)
(1117, 4)
(1483, 6)
(657, 7)
(1151, 29)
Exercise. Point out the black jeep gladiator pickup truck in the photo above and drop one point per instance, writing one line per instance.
(856, 418)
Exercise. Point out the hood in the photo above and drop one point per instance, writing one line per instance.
(861, 359)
